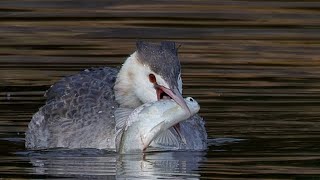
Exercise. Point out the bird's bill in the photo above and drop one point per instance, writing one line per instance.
(175, 95)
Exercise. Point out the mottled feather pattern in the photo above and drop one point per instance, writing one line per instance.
(79, 83)
(80, 109)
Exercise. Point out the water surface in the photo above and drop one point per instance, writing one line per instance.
(252, 65)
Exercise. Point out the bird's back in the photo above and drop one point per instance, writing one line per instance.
(79, 113)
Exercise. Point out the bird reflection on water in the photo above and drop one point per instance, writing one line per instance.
(93, 163)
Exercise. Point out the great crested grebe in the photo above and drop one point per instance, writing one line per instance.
(81, 110)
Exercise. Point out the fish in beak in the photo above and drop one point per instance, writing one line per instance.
(177, 97)
(174, 94)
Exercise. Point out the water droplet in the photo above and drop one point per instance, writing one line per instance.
(112, 107)
(100, 112)
(108, 140)
(112, 116)
(87, 70)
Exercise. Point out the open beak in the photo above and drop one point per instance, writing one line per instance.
(175, 95)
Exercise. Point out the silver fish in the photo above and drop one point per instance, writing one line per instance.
(138, 128)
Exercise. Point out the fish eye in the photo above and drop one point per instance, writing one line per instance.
(190, 99)
(152, 78)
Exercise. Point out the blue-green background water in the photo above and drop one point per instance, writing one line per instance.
(254, 66)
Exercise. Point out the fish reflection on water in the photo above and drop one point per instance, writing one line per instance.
(93, 163)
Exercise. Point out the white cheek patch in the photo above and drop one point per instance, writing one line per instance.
(143, 88)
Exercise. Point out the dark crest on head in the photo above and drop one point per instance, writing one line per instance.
(162, 59)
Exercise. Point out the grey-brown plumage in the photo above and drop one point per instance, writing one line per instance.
(80, 109)
(78, 113)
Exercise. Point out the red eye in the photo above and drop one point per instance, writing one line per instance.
(152, 78)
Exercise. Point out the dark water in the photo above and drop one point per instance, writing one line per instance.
(254, 66)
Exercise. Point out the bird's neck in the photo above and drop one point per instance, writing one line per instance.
(124, 88)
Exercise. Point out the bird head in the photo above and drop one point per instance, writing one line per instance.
(153, 73)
